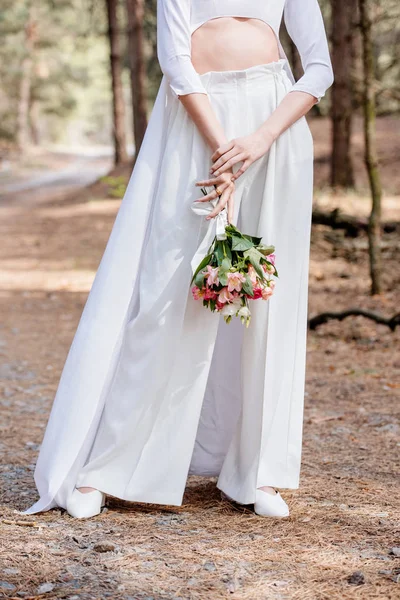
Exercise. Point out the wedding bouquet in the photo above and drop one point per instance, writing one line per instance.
(235, 270)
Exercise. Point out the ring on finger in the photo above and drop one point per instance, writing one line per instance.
(218, 191)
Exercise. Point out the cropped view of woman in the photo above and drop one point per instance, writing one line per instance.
(155, 387)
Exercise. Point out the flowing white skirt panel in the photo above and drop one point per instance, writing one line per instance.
(154, 385)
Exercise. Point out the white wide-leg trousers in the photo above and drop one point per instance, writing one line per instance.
(155, 386)
(190, 394)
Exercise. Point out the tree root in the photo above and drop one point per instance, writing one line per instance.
(322, 318)
(352, 225)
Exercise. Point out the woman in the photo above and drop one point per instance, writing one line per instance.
(154, 386)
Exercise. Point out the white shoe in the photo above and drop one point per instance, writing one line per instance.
(270, 505)
(84, 506)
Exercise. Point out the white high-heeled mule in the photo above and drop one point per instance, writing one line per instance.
(270, 505)
(84, 506)
(266, 504)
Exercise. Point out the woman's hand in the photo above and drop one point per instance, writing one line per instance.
(248, 149)
(225, 189)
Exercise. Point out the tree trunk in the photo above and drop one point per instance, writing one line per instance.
(342, 93)
(120, 153)
(23, 130)
(34, 122)
(371, 156)
(135, 12)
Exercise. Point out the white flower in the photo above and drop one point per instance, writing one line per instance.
(244, 312)
(245, 315)
(229, 310)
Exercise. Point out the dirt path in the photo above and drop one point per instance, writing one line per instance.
(343, 517)
(51, 183)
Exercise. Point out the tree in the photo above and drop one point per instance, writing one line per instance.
(70, 97)
(342, 28)
(120, 153)
(24, 100)
(371, 156)
(135, 13)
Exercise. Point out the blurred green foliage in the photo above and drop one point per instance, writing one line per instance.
(70, 93)
(116, 185)
(70, 89)
(69, 67)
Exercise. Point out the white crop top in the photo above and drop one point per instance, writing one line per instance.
(177, 19)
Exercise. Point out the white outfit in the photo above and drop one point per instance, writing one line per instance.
(178, 19)
(155, 386)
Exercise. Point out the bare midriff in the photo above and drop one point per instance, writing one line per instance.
(233, 43)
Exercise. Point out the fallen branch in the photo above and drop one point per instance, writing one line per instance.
(322, 318)
(352, 225)
(20, 523)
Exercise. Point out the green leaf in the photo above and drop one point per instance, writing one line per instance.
(231, 229)
(256, 240)
(223, 278)
(223, 271)
(219, 251)
(266, 250)
(222, 250)
(199, 279)
(254, 257)
(253, 252)
(248, 286)
(257, 266)
(240, 244)
(227, 249)
(225, 265)
(206, 260)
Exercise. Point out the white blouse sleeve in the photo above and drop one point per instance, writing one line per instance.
(305, 25)
(174, 47)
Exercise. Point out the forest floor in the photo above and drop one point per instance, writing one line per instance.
(341, 540)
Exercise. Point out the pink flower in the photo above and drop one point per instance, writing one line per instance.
(271, 258)
(252, 274)
(257, 293)
(225, 296)
(271, 284)
(210, 294)
(268, 268)
(198, 293)
(219, 305)
(212, 278)
(235, 281)
(266, 293)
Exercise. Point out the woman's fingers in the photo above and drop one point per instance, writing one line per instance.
(222, 160)
(229, 163)
(242, 169)
(213, 181)
(222, 149)
(222, 202)
(211, 195)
